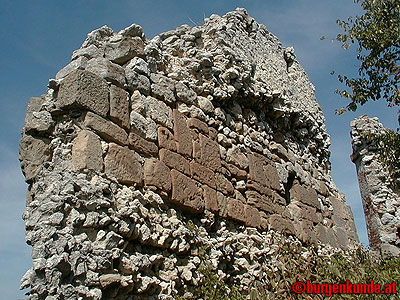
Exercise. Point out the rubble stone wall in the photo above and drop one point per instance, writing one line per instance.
(144, 153)
(380, 201)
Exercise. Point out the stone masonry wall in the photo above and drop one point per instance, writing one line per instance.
(381, 203)
(143, 153)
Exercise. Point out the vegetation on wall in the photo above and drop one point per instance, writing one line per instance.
(293, 264)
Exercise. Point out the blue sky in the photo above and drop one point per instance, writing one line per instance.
(38, 38)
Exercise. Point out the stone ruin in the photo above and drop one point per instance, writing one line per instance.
(145, 153)
(380, 200)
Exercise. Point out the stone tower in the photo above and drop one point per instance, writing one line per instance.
(380, 201)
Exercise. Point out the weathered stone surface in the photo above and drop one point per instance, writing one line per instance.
(141, 145)
(280, 224)
(35, 119)
(260, 201)
(124, 164)
(304, 195)
(223, 184)
(106, 129)
(156, 173)
(222, 205)
(235, 210)
(182, 134)
(33, 152)
(136, 81)
(210, 199)
(338, 207)
(119, 106)
(202, 174)
(124, 49)
(159, 112)
(185, 94)
(175, 161)
(236, 172)
(89, 52)
(166, 139)
(196, 124)
(83, 89)
(87, 152)
(252, 216)
(77, 64)
(186, 192)
(140, 66)
(105, 69)
(209, 153)
(143, 127)
(138, 103)
(236, 156)
(262, 171)
(301, 211)
(163, 87)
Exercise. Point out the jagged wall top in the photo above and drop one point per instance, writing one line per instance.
(230, 58)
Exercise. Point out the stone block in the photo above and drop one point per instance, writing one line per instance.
(222, 205)
(143, 127)
(35, 119)
(198, 125)
(159, 112)
(175, 161)
(33, 152)
(263, 171)
(308, 232)
(306, 195)
(141, 145)
(256, 167)
(123, 50)
(338, 207)
(210, 199)
(236, 172)
(87, 152)
(235, 210)
(271, 174)
(342, 238)
(209, 153)
(77, 64)
(223, 184)
(186, 192)
(124, 164)
(185, 93)
(166, 139)
(108, 130)
(252, 216)
(119, 106)
(202, 174)
(182, 134)
(83, 89)
(157, 174)
(237, 156)
(304, 212)
(261, 202)
(276, 222)
(136, 81)
(163, 88)
(109, 71)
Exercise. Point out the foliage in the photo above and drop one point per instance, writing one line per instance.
(377, 34)
(291, 264)
(388, 148)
